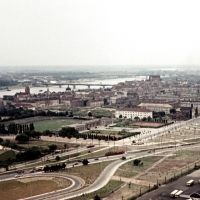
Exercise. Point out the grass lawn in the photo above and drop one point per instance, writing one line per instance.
(107, 189)
(128, 191)
(88, 173)
(129, 170)
(43, 144)
(53, 124)
(12, 190)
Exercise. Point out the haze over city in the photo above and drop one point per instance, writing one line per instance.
(66, 34)
(99, 99)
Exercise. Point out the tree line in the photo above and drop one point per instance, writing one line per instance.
(20, 113)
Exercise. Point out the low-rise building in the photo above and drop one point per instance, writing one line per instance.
(94, 103)
(157, 107)
(131, 113)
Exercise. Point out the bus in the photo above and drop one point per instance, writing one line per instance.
(172, 194)
(178, 193)
(39, 168)
(190, 182)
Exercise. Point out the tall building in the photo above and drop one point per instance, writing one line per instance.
(27, 90)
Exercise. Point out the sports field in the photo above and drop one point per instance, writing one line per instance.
(53, 124)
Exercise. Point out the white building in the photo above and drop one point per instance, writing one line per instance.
(131, 113)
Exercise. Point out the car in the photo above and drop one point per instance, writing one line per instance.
(17, 175)
(75, 163)
(96, 159)
(123, 158)
(149, 151)
(32, 171)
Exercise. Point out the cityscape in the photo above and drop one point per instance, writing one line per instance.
(135, 133)
(100, 100)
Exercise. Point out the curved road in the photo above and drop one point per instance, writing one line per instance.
(105, 176)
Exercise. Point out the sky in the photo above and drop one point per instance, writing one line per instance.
(99, 32)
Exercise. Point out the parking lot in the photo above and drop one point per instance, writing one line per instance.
(163, 192)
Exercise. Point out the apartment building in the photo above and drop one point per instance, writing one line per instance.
(157, 107)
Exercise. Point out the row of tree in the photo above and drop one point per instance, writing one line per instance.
(27, 136)
(54, 167)
(20, 113)
(14, 128)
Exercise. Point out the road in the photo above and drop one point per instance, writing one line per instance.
(104, 177)
(108, 172)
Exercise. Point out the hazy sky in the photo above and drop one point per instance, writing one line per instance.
(99, 32)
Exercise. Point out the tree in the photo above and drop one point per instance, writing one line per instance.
(196, 112)
(48, 132)
(120, 116)
(70, 114)
(96, 197)
(85, 161)
(136, 162)
(29, 154)
(136, 118)
(144, 119)
(105, 101)
(31, 127)
(57, 158)
(149, 118)
(22, 138)
(89, 114)
(172, 111)
(52, 147)
(66, 131)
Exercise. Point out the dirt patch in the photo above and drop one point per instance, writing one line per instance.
(168, 165)
(61, 182)
(148, 124)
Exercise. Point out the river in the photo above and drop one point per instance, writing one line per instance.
(36, 90)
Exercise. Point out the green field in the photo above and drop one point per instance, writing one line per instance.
(106, 190)
(129, 170)
(53, 124)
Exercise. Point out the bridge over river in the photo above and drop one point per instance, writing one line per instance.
(76, 84)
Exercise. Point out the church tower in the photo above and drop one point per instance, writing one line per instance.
(27, 90)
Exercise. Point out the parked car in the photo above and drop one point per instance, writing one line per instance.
(123, 158)
(96, 159)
